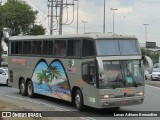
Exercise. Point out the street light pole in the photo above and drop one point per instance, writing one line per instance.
(84, 25)
(104, 16)
(145, 25)
(113, 17)
(77, 14)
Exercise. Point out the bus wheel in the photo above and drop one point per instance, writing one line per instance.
(23, 90)
(30, 90)
(7, 82)
(78, 100)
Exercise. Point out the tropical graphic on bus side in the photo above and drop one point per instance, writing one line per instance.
(71, 66)
(51, 80)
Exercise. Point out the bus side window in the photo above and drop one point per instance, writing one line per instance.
(85, 71)
(47, 47)
(12, 48)
(60, 48)
(88, 48)
(89, 73)
(92, 74)
(73, 48)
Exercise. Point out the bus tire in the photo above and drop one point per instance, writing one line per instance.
(7, 82)
(30, 90)
(78, 100)
(115, 108)
(22, 87)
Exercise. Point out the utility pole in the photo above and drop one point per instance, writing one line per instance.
(56, 14)
(61, 17)
(51, 21)
(77, 13)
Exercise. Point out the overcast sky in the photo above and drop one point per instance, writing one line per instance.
(129, 18)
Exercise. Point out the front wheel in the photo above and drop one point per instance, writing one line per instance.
(30, 90)
(78, 100)
(22, 88)
(7, 82)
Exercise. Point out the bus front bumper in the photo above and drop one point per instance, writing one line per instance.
(118, 102)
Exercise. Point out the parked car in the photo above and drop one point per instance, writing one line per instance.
(4, 76)
(155, 75)
(156, 65)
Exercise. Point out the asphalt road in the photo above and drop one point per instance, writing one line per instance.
(151, 103)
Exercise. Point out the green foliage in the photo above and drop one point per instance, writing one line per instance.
(153, 55)
(18, 16)
(36, 30)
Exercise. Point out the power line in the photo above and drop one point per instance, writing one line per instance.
(57, 14)
(37, 6)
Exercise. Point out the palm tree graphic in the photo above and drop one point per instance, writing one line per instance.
(43, 77)
(70, 63)
(54, 72)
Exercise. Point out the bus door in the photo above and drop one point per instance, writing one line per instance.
(89, 75)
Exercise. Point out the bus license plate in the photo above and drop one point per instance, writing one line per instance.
(124, 102)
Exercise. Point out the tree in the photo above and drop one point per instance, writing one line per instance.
(36, 30)
(18, 16)
(153, 55)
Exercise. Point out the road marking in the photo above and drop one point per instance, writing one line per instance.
(48, 105)
(152, 86)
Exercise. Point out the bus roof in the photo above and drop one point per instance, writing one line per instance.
(92, 36)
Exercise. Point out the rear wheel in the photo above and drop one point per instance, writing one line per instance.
(30, 90)
(78, 100)
(22, 87)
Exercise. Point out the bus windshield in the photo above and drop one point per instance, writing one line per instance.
(120, 74)
(117, 47)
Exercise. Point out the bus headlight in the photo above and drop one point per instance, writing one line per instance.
(140, 93)
(106, 96)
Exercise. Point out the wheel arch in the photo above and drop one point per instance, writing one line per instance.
(74, 89)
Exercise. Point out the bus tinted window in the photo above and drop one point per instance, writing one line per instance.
(60, 48)
(37, 47)
(27, 47)
(73, 48)
(12, 47)
(18, 48)
(48, 47)
(128, 47)
(117, 47)
(88, 48)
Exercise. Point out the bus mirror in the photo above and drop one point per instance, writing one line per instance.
(150, 63)
(100, 65)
